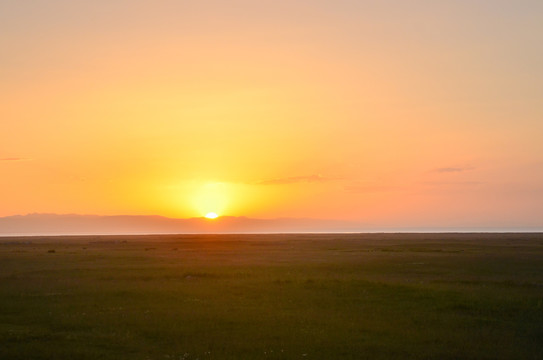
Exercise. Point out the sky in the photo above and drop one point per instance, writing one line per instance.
(389, 113)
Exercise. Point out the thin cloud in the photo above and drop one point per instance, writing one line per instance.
(295, 179)
(370, 188)
(453, 169)
(452, 183)
(13, 159)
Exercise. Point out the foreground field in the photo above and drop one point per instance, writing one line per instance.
(374, 296)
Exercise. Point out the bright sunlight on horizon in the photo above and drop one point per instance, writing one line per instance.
(211, 215)
(395, 113)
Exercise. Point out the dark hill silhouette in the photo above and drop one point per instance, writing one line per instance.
(72, 224)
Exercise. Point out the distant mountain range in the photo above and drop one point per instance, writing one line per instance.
(72, 224)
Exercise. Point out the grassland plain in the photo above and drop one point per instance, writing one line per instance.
(311, 296)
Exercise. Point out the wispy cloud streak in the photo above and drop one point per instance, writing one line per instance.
(453, 169)
(295, 179)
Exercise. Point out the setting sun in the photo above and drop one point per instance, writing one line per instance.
(211, 215)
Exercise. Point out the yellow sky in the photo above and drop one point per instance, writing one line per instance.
(424, 115)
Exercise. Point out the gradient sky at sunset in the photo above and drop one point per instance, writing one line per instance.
(392, 113)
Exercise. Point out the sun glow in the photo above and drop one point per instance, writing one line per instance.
(212, 215)
(211, 199)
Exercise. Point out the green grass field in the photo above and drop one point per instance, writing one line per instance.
(368, 296)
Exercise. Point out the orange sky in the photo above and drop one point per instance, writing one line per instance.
(377, 111)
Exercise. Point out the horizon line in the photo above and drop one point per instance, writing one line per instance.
(391, 232)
